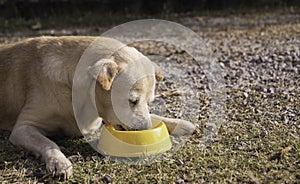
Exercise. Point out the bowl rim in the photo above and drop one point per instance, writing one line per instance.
(158, 124)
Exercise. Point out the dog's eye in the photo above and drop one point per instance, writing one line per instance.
(134, 101)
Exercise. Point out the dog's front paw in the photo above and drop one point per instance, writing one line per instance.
(179, 126)
(58, 164)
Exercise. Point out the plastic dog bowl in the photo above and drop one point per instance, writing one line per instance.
(134, 143)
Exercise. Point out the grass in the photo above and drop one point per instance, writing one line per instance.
(258, 159)
(245, 152)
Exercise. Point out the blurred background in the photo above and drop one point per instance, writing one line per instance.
(41, 14)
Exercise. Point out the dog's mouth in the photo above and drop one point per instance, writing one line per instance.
(117, 127)
(124, 127)
(120, 127)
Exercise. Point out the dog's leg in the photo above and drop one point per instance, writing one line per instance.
(32, 139)
(176, 126)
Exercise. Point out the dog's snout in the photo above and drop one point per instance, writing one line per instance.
(143, 126)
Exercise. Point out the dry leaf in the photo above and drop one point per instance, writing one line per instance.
(286, 150)
(36, 26)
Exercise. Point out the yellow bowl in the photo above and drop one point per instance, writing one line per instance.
(134, 143)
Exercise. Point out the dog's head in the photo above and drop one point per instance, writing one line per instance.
(125, 87)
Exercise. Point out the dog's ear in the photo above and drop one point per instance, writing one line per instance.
(104, 71)
(158, 73)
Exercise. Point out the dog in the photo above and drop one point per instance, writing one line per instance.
(36, 78)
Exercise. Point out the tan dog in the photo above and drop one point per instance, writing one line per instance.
(36, 77)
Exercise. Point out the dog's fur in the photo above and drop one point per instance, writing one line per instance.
(36, 77)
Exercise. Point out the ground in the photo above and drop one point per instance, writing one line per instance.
(256, 142)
